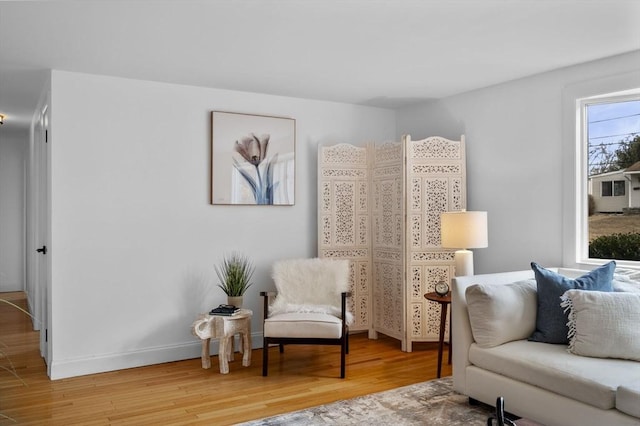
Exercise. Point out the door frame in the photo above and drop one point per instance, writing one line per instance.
(38, 226)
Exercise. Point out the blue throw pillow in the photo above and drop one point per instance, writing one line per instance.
(551, 320)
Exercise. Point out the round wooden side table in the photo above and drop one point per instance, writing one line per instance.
(444, 302)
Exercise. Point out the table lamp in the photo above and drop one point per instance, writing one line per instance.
(463, 230)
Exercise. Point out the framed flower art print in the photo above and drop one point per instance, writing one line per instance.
(252, 159)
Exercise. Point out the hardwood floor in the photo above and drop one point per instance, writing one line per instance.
(182, 392)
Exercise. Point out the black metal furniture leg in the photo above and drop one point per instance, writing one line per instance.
(265, 357)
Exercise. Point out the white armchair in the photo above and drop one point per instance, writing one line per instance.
(309, 307)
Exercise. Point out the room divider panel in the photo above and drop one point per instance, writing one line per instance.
(344, 219)
(380, 206)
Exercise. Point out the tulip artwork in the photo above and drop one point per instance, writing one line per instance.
(254, 150)
(252, 159)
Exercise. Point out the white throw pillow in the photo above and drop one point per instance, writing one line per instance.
(501, 313)
(603, 324)
(623, 282)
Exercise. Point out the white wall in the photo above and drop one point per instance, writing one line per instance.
(516, 154)
(134, 238)
(13, 152)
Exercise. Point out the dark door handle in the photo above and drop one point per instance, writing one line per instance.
(42, 250)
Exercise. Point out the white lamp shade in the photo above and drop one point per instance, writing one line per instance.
(464, 230)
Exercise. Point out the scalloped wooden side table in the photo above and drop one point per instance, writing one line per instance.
(224, 328)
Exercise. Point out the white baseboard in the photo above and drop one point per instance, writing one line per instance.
(139, 358)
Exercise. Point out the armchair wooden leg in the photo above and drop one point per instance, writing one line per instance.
(265, 357)
(343, 352)
(281, 348)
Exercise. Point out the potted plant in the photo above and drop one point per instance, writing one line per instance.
(235, 274)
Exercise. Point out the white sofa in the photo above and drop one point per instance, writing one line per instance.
(540, 381)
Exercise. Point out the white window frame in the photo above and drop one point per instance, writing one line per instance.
(575, 158)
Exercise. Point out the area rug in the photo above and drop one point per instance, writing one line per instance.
(427, 403)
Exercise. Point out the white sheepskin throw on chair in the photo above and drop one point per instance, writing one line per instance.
(310, 285)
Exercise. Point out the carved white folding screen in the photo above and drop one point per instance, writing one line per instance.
(380, 206)
(344, 220)
(436, 182)
(388, 235)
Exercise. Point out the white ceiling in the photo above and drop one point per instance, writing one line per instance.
(385, 53)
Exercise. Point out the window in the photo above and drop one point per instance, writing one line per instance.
(580, 187)
(610, 142)
(610, 188)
